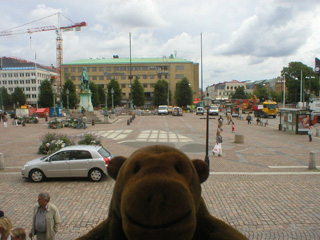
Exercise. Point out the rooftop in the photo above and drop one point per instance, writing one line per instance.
(10, 63)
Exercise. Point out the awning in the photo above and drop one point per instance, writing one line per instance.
(41, 110)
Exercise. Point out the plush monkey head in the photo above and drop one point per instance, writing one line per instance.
(157, 193)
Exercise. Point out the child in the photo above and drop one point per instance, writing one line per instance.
(310, 133)
(233, 127)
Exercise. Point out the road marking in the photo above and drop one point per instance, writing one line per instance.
(112, 134)
(284, 167)
(162, 136)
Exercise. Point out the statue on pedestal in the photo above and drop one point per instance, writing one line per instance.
(84, 80)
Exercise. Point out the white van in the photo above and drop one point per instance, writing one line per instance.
(163, 109)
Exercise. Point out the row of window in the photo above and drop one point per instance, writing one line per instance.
(126, 77)
(27, 89)
(122, 68)
(11, 75)
(11, 82)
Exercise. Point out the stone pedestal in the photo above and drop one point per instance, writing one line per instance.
(85, 101)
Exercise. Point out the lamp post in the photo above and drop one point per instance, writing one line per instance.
(54, 114)
(0, 99)
(207, 103)
(68, 92)
(112, 92)
(106, 92)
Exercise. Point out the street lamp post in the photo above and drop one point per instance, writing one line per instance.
(54, 114)
(112, 92)
(0, 99)
(207, 103)
(106, 92)
(68, 92)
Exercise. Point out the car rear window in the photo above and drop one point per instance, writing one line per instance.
(103, 152)
(81, 155)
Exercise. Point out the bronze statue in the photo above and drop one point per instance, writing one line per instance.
(84, 79)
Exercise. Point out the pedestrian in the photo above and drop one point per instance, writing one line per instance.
(18, 234)
(5, 228)
(79, 122)
(233, 127)
(84, 121)
(230, 119)
(45, 218)
(83, 110)
(220, 122)
(310, 133)
(15, 119)
(5, 121)
(219, 141)
(1, 114)
(258, 120)
(249, 118)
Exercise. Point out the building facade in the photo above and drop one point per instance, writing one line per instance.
(147, 70)
(223, 91)
(27, 75)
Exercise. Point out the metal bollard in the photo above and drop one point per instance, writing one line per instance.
(312, 161)
(93, 123)
(128, 122)
(1, 161)
(318, 132)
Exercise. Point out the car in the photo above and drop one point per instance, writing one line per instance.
(170, 109)
(177, 111)
(73, 161)
(214, 110)
(163, 109)
(199, 110)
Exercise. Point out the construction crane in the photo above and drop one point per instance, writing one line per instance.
(59, 41)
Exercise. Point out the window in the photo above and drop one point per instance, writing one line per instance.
(16, 81)
(16, 75)
(61, 156)
(152, 85)
(116, 68)
(27, 81)
(94, 77)
(9, 74)
(78, 155)
(10, 82)
(108, 68)
(145, 68)
(137, 68)
(145, 77)
(109, 77)
(34, 95)
(123, 77)
(73, 69)
(27, 95)
(66, 69)
(4, 75)
(101, 77)
(27, 89)
(101, 69)
(34, 89)
(179, 76)
(122, 68)
(27, 74)
(33, 81)
(179, 67)
(88, 69)
(73, 78)
(145, 85)
(79, 69)
(94, 69)
(152, 77)
(123, 85)
(4, 82)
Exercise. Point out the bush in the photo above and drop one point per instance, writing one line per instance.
(52, 143)
(89, 139)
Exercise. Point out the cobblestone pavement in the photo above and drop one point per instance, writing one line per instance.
(261, 187)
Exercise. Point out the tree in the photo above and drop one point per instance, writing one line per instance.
(239, 93)
(117, 95)
(95, 95)
(138, 97)
(102, 95)
(260, 92)
(183, 93)
(160, 93)
(72, 94)
(18, 96)
(5, 98)
(45, 94)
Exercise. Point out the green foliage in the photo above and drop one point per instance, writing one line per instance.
(5, 98)
(72, 94)
(56, 123)
(183, 93)
(160, 93)
(89, 139)
(18, 96)
(261, 92)
(138, 97)
(52, 143)
(95, 95)
(239, 93)
(45, 94)
(117, 96)
(102, 95)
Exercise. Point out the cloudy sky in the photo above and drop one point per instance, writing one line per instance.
(241, 39)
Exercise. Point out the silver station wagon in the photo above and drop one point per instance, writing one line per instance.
(73, 161)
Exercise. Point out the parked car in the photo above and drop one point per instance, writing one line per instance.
(73, 161)
(214, 110)
(199, 110)
(163, 109)
(177, 111)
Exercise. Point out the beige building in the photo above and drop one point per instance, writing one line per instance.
(147, 70)
(223, 91)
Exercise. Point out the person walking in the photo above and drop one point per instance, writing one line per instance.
(219, 141)
(5, 121)
(45, 219)
(16, 119)
(79, 122)
(5, 228)
(310, 133)
(18, 234)
(249, 118)
(233, 127)
(220, 122)
(84, 121)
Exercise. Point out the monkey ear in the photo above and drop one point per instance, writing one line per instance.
(202, 169)
(115, 165)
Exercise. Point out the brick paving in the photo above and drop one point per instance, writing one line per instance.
(262, 202)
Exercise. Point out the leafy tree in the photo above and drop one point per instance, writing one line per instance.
(102, 95)
(45, 94)
(183, 93)
(5, 98)
(239, 93)
(160, 93)
(261, 92)
(138, 97)
(72, 94)
(95, 95)
(117, 95)
(18, 96)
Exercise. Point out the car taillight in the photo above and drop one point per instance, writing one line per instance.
(106, 160)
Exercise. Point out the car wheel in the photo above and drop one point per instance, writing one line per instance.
(96, 175)
(36, 175)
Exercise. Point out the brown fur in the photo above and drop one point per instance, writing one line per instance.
(157, 195)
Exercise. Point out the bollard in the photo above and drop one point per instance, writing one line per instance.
(46, 119)
(128, 122)
(1, 161)
(318, 132)
(238, 138)
(312, 161)
(93, 123)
